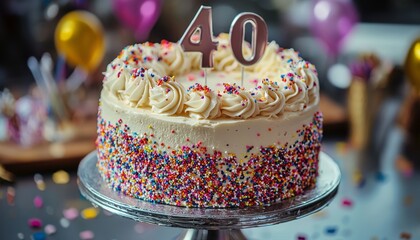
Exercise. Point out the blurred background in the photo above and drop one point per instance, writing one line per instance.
(53, 53)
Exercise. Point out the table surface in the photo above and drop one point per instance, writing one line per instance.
(383, 204)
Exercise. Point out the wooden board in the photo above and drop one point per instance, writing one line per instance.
(49, 156)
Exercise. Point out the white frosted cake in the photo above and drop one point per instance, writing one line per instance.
(165, 137)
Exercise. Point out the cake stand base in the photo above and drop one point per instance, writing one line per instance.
(209, 223)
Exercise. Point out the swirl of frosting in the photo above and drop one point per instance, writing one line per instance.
(238, 103)
(308, 73)
(203, 103)
(115, 81)
(167, 97)
(173, 55)
(223, 58)
(294, 90)
(137, 88)
(270, 100)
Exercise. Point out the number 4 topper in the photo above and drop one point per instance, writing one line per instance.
(202, 23)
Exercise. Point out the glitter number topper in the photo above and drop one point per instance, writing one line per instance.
(201, 26)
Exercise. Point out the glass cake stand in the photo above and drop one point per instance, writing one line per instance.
(208, 223)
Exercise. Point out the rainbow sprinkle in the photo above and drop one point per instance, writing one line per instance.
(198, 176)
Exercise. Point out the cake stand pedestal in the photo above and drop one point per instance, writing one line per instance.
(209, 223)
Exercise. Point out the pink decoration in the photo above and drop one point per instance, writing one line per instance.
(35, 223)
(138, 15)
(347, 202)
(50, 229)
(38, 203)
(70, 213)
(331, 22)
(85, 235)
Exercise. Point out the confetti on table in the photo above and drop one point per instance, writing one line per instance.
(358, 179)
(380, 177)
(86, 235)
(89, 213)
(61, 177)
(404, 166)
(11, 194)
(35, 223)
(39, 181)
(39, 236)
(346, 202)
(64, 223)
(331, 230)
(41, 186)
(38, 203)
(20, 236)
(50, 229)
(405, 235)
(301, 237)
(71, 213)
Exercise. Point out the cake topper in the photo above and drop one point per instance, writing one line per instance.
(201, 25)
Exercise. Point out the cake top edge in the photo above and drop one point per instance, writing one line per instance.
(167, 80)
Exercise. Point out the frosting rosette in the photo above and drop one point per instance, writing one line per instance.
(270, 100)
(279, 83)
(176, 59)
(238, 103)
(137, 87)
(294, 90)
(115, 81)
(167, 97)
(202, 103)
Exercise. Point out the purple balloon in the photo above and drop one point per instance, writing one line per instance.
(331, 21)
(138, 15)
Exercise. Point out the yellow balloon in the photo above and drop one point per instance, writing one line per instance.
(79, 37)
(412, 64)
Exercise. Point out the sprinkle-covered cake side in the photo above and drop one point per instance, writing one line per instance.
(196, 175)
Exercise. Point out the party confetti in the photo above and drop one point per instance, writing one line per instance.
(86, 235)
(41, 186)
(61, 177)
(346, 202)
(35, 223)
(331, 230)
(380, 177)
(90, 213)
(404, 166)
(11, 194)
(39, 181)
(64, 223)
(358, 178)
(71, 213)
(405, 235)
(301, 237)
(39, 236)
(38, 203)
(50, 229)
(20, 236)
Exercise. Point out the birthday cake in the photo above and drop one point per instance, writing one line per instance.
(170, 133)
